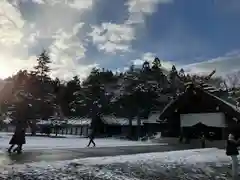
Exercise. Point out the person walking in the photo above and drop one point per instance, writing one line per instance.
(232, 151)
(18, 139)
(203, 141)
(91, 138)
(96, 118)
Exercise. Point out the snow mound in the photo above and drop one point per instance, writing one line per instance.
(200, 164)
(153, 138)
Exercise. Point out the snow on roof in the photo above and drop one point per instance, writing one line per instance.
(7, 120)
(225, 102)
(204, 85)
(112, 120)
(172, 103)
(209, 88)
(43, 122)
(214, 90)
(69, 121)
(52, 120)
(78, 121)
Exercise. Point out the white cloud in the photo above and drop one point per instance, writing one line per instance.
(67, 72)
(32, 38)
(75, 4)
(111, 47)
(145, 57)
(57, 29)
(225, 64)
(138, 9)
(228, 63)
(59, 26)
(11, 24)
(148, 56)
(38, 1)
(80, 4)
(112, 38)
(138, 62)
(11, 33)
(66, 51)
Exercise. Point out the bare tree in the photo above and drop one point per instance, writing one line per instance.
(233, 79)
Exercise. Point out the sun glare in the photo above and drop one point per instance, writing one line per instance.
(5, 72)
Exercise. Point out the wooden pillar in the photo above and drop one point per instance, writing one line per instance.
(223, 133)
(81, 130)
(181, 136)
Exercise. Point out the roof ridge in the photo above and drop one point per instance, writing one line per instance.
(224, 101)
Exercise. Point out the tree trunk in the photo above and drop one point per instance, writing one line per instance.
(138, 126)
(33, 132)
(130, 134)
(33, 129)
(56, 131)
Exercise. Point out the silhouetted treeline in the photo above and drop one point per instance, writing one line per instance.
(135, 92)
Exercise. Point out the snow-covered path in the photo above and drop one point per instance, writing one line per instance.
(198, 164)
(70, 142)
(69, 154)
(43, 152)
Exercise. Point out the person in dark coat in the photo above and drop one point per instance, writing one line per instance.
(203, 141)
(91, 138)
(18, 139)
(96, 118)
(232, 151)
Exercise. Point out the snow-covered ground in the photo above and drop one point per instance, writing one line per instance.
(37, 142)
(198, 164)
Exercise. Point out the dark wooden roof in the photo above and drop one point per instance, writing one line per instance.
(208, 98)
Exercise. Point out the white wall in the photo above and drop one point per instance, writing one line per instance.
(209, 119)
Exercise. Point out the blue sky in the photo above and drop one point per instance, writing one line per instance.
(197, 35)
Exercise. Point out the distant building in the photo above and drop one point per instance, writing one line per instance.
(78, 126)
(151, 125)
(9, 126)
(119, 126)
(69, 126)
(198, 110)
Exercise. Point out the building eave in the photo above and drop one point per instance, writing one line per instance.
(223, 105)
